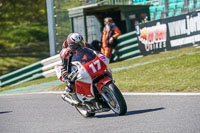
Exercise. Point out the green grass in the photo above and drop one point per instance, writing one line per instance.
(22, 45)
(172, 75)
(172, 71)
(156, 57)
(8, 64)
(22, 35)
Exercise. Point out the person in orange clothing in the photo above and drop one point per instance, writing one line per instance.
(110, 33)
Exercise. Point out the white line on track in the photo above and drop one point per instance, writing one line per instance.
(163, 94)
(124, 93)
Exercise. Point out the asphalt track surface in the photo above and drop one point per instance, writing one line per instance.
(47, 113)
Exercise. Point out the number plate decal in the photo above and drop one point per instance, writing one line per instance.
(95, 67)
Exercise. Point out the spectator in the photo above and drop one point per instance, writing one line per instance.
(110, 34)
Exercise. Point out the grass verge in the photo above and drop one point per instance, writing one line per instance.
(9, 64)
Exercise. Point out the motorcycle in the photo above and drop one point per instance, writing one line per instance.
(94, 90)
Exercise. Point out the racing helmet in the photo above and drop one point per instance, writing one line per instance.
(75, 41)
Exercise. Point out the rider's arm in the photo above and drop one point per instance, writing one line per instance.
(65, 45)
(65, 56)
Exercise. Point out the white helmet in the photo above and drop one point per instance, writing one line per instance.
(74, 40)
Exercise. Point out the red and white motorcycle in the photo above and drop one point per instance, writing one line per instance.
(94, 90)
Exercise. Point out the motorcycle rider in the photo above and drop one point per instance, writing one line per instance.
(71, 47)
(73, 42)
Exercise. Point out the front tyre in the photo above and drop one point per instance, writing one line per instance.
(114, 98)
(83, 111)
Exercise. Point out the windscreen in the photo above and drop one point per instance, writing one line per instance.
(84, 55)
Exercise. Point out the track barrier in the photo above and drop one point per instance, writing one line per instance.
(127, 47)
(37, 70)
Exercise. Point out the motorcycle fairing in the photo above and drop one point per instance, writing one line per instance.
(84, 91)
(57, 69)
(88, 72)
(83, 74)
(102, 83)
(95, 68)
(83, 83)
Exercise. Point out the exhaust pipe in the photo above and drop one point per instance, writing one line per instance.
(69, 100)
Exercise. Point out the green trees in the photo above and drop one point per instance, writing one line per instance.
(21, 22)
(24, 22)
(24, 31)
(13, 12)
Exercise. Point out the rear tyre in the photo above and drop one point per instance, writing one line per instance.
(116, 100)
(84, 112)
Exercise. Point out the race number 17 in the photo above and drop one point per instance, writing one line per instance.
(92, 66)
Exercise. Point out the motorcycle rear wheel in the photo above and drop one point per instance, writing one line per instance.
(83, 112)
(116, 99)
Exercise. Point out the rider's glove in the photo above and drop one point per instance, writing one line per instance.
(64, 75)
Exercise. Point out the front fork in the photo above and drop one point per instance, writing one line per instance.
(100, 84)
(105, 97)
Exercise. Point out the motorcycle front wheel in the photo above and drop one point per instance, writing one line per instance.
(114, 98)
(84, 112)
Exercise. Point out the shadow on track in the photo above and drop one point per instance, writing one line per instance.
(5, 112)
(130, 112)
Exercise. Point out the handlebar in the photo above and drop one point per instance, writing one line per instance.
(72, 76)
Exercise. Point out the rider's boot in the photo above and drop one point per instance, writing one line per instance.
(66, 92)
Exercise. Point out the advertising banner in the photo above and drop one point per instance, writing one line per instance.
(170, 33)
